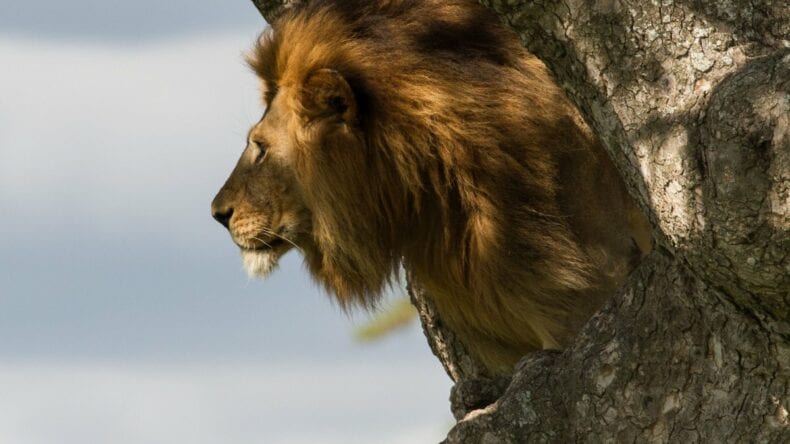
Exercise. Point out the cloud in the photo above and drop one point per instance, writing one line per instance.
(117, 139)
(233, 403)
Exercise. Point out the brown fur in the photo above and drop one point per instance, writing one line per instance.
(422, 133)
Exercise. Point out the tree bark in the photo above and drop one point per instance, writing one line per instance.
(692, 101)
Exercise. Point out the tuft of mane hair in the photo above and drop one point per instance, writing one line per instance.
(462, 161)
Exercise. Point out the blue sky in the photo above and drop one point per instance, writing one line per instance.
(125, 315)
(131, 21)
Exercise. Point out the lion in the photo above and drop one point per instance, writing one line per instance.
(420, 133)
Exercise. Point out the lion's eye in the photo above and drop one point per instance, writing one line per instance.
(260, 151)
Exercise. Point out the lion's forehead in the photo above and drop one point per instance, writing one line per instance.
(277, 129)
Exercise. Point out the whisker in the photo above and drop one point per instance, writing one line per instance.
(270, 232)
(261, 241)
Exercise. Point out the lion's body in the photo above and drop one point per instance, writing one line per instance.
(458, 157)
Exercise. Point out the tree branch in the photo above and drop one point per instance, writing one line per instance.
(271, 9)
(663, 362)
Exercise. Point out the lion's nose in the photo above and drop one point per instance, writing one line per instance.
(222, 215)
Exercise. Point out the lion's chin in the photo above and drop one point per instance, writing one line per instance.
(259, 263)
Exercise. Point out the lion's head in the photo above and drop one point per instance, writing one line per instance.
(308, 178)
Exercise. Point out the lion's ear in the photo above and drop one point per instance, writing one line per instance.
(326, 93)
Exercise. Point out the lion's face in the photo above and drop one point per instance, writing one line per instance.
(261, 204)
(285, 188)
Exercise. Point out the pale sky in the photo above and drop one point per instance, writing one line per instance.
(125, 315)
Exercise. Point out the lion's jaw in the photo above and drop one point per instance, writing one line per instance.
(260, 263)
(261, 248)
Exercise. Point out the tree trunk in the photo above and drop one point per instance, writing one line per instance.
(692, 101)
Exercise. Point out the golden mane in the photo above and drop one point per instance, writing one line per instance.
(465, 163)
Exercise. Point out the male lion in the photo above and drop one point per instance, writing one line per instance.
(422, 133)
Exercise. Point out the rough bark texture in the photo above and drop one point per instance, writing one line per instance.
(692, 100)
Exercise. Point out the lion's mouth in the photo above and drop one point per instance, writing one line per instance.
(274, 244)
(259, 245)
